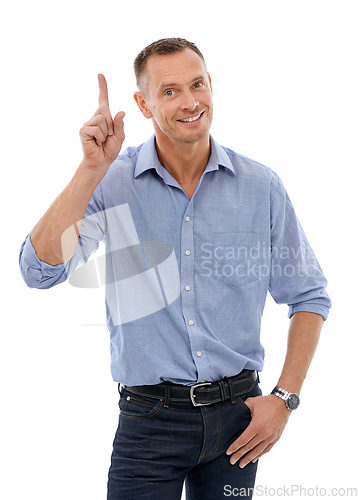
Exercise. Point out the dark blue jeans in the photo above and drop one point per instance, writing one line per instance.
(156, 449)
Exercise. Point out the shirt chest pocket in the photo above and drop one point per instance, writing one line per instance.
(238, 258)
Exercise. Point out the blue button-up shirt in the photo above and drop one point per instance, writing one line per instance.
(186, 280)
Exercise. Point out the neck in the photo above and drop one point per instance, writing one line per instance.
(185, 162)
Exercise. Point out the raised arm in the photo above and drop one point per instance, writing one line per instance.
(102, 138)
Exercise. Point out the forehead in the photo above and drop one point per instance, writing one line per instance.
(178, 68)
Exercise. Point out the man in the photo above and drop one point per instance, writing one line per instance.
(196, 234)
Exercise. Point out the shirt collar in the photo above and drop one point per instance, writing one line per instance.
(148, 159)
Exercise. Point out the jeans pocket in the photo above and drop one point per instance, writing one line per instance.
(255, 391)
(242, 403)
(132, 405)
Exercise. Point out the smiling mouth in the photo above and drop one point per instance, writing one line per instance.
(192, 119)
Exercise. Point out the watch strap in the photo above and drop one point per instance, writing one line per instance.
(281, 393)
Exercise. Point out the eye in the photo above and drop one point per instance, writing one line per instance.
(169, 93)
(197, 85)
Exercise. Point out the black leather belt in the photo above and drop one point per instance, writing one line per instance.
(201, 394)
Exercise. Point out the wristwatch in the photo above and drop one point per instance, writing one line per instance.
(291, 399)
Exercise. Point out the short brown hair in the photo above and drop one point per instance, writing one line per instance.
(164, 46)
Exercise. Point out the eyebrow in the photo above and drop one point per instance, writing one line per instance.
(168, 85)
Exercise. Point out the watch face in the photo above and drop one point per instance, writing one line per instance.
(293, 401)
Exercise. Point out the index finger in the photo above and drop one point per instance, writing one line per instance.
(103, 90)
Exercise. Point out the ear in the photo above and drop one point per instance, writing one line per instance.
(142, 104)
(211, 88)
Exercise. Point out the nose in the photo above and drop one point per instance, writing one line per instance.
(188, 102)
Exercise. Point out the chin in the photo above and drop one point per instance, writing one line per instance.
(192, 140)
(193, 137)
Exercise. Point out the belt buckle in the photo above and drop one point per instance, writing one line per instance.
(192, 395)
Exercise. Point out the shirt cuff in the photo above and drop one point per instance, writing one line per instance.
(309, 307)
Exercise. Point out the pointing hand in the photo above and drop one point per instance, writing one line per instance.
(102, 137)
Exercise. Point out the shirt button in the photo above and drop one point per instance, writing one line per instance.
(190, 322)
(187, 252)
(187, 218)
(198, 354)
(187, 288)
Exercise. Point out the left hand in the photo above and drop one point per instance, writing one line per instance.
(269, 418)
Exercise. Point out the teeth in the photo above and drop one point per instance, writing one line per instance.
(192, 119)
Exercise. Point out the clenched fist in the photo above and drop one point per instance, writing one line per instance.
(102, 137)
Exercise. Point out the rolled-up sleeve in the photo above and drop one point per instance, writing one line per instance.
(39, 274)
(296, 277)
(36, 273)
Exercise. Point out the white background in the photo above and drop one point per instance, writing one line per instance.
(285, 89)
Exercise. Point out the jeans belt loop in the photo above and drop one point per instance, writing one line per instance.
(167, 395)
(222, 390)
(232, 390)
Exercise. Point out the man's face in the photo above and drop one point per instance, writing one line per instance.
(178, 96)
